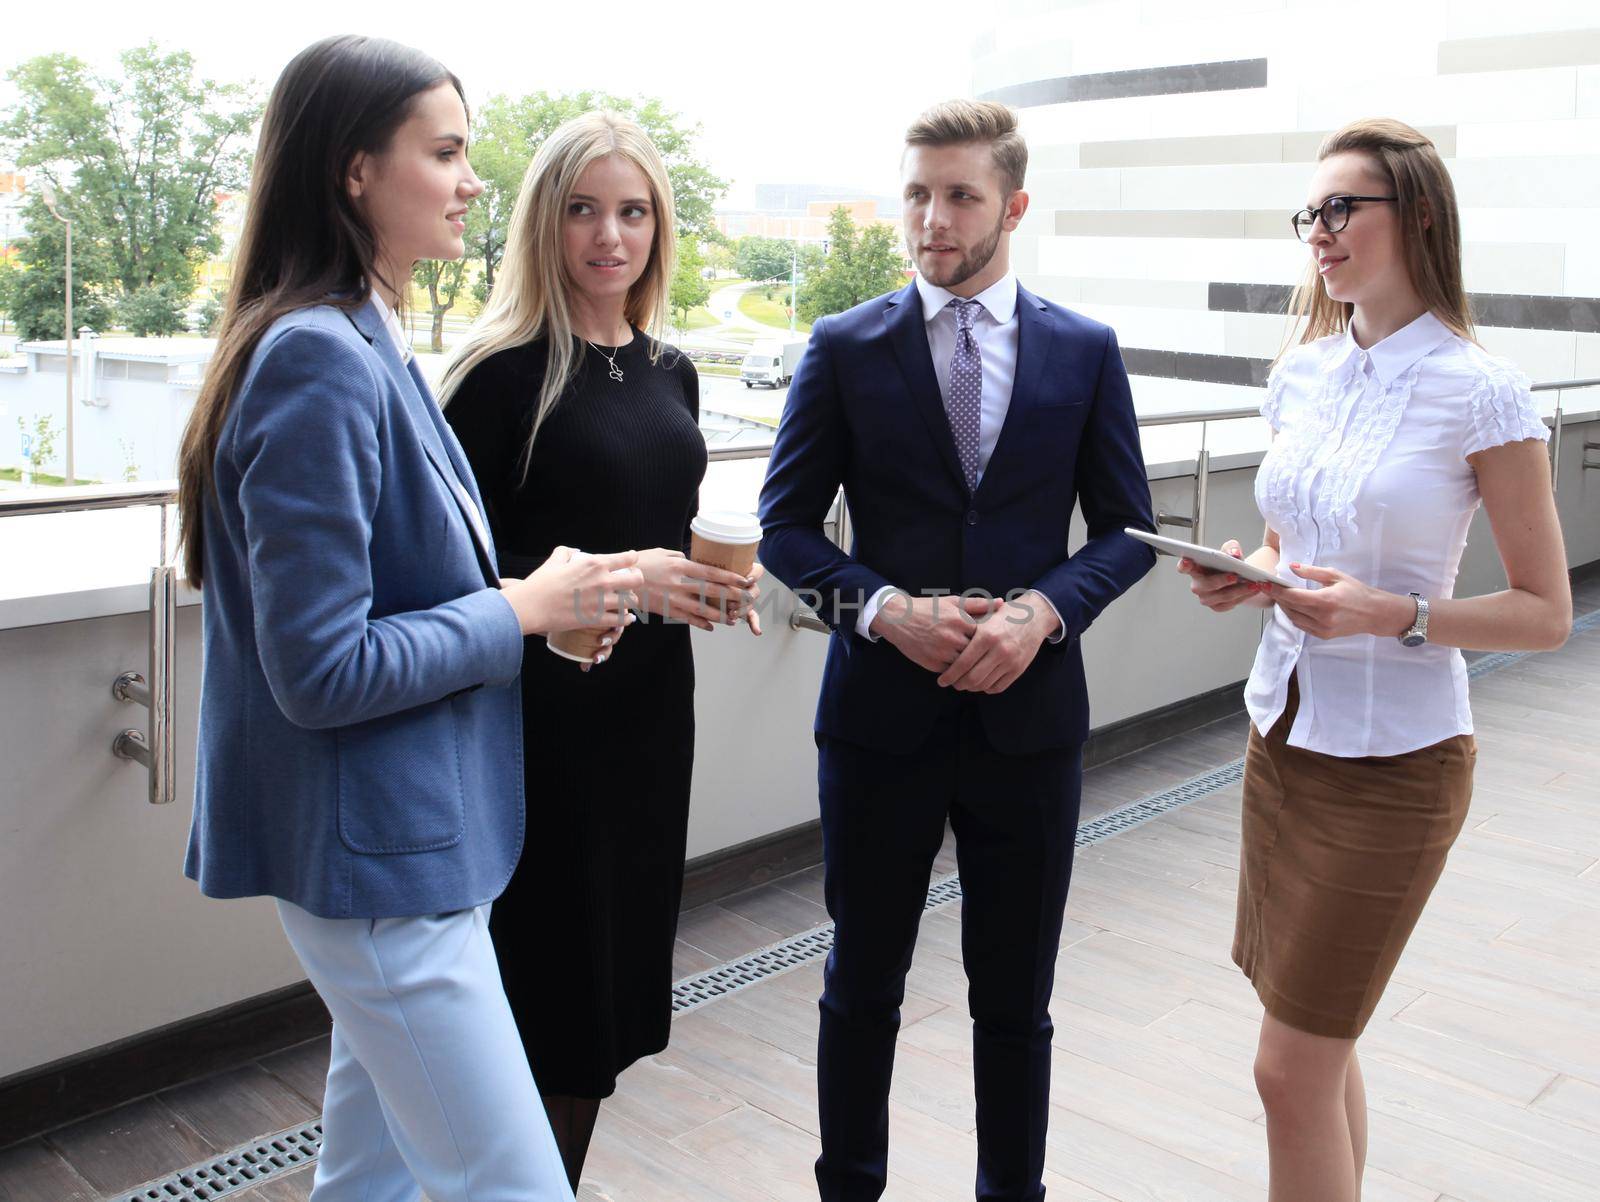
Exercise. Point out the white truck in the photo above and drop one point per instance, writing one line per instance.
(772, 363)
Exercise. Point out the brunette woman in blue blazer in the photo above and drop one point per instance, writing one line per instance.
(360, 732)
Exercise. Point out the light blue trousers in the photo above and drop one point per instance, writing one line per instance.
(428, 1086)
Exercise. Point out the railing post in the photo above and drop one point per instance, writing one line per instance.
(1555, 449)
(157, 753)
(1195, 520)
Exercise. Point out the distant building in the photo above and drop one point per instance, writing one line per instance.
(131, 399)
(13, 195)
(810, 225)
(796, 198)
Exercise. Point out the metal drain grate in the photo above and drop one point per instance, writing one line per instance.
(297, 1147)
(801, 949)
(243, 1168)
(737, 974)
(719, 982)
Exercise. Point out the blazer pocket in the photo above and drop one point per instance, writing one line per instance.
(1067, 399)
(400, 782)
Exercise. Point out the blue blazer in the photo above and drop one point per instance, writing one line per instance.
(865, 411)
(360, 723)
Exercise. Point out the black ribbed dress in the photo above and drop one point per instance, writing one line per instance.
(585, 930)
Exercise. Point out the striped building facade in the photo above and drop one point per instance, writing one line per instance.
(1170, 141)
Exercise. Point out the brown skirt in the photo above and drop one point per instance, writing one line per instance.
(1337, 859)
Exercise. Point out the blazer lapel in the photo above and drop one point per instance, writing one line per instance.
(1035, 334)
(908, 334)
(438, 443)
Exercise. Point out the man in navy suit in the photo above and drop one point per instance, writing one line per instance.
(965, 418)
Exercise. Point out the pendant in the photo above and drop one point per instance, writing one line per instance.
(616, 373)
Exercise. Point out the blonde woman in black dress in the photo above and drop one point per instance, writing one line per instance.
(583, 431)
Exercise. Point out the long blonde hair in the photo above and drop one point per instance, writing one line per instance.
(1430, 228)
(532, 298)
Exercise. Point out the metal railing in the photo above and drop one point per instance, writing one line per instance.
(153, 689)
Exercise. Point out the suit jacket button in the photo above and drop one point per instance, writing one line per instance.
(972, 517)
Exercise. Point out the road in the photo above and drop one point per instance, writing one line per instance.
(724, 306)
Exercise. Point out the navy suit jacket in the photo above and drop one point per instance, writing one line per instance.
(360, 723)
(865, 411)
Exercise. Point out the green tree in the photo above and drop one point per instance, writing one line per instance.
(145, 153)
(38, 290)
(860, 265)
(156, 310)
(444, 279)
(689, 287)
(509, 130)
(9, 271)
(762, 259)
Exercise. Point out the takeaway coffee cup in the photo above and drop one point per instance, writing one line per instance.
(565, 643)
(725, 539)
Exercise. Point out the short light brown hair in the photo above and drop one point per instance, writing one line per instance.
(960, 122)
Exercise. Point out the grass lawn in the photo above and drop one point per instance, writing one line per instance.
(702, 319)
(14, 474)
(770, 312)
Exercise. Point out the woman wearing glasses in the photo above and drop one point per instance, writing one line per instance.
(583, 430)
(1390, 425)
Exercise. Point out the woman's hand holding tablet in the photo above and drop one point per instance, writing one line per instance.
(1212, 560)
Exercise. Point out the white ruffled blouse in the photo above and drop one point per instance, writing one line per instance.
(1368, 474)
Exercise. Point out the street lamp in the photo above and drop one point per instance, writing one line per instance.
(47, 193)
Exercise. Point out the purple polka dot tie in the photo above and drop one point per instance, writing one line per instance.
(963, 402)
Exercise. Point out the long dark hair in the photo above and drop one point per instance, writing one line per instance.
(304, 241)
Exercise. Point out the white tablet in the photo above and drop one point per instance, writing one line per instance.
(1210, 557)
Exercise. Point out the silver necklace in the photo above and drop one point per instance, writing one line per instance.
(616, 372)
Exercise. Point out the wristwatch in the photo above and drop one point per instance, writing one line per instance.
(1418, 633)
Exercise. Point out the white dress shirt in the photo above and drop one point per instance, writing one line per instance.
(1368, 474)
(994, 328)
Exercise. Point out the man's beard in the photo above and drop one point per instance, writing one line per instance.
(971, 264)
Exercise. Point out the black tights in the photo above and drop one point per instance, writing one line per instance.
(572, 1121)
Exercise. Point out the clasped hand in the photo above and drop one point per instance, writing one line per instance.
(976, 644)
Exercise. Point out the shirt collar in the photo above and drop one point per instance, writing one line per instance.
(391, 322)
(999, 298)
(1396, 354)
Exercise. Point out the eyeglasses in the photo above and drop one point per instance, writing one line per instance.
(1335, 214)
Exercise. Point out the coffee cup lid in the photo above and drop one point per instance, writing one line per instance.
(727, 526)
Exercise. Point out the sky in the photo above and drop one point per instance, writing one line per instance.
(815, 92)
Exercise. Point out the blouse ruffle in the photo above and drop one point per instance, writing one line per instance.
(1502, 407)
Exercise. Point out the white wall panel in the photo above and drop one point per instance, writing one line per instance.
(1588, 103)
(1583, 267)
(1538, 95)
(1553, 224)
(1253, 110)
(1083, 188)
(1533, 183)
(1542, 354)
(1190, 330)
(1495, 18)
(1230, 186)
(1513, 267)
(1520, 139)
(1206, 259)
(1586, 366)
(1254, 335)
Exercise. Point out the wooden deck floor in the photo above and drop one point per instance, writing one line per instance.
(1482, 1064)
